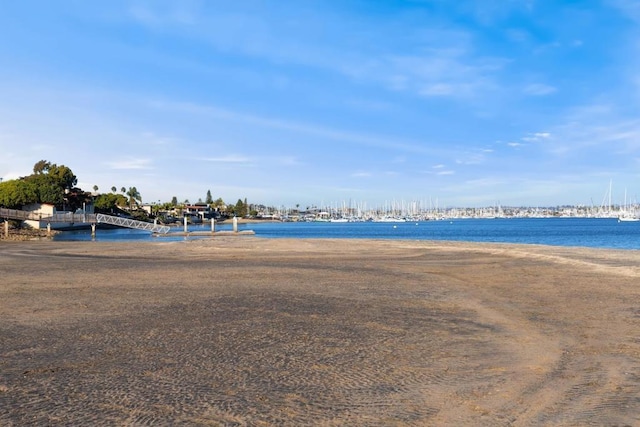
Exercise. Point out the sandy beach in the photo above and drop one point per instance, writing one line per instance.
(255, 332)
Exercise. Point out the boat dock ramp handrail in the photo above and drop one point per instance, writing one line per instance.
(38, 216)
(78, 218)
(132, 223)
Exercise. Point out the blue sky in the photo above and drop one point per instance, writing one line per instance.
(465, 103)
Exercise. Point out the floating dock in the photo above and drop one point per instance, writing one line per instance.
(206, 233)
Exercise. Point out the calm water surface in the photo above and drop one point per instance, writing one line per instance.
(586, 232)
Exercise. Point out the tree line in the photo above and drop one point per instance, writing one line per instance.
(49, 183)
(56, 185)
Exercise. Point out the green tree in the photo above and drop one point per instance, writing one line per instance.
(49, 183)
(62, 176)
(49, 192)
(76, 198)
(123, 190)
(95, 188)
(218, 203)
(134, 196)
(110, 202)
(41, 167)
(16, 193)
(240, 208)
(140, 215)
(174, 201)
(53, 184)
(114, 189)
(209, 198)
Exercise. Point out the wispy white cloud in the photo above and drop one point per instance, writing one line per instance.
(436, 62)
(439, 170)
(441, 89)
(232, 158)
(156, 140)
(265, 162)
(472, 158)
(630, 8)
(518, 35)
(286, 160)
(159, 14)
(442, 73)
(130, 163)
(537, 136)
(361, 174)
(539, 89)
(588, 138)
(368, 104)
(489, 12)
(390, 142)
(485, 182)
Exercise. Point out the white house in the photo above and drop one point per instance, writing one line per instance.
(58, 220)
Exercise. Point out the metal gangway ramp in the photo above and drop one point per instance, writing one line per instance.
(132, 223)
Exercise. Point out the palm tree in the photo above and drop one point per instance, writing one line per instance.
(114, 189)
(134, 196)
(95, 188)
(123, 190)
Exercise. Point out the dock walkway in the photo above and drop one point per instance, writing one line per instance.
(83, 218)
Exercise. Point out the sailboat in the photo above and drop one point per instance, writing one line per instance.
(626, 215)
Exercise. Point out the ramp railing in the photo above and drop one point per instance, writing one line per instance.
(17, 214)
(132, 223)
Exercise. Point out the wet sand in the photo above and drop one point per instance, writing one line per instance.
(249, 331)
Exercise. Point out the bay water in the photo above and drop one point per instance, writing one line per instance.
(582, 232)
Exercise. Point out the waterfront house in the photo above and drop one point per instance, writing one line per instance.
(47, 214)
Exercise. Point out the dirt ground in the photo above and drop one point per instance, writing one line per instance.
(249, 331)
